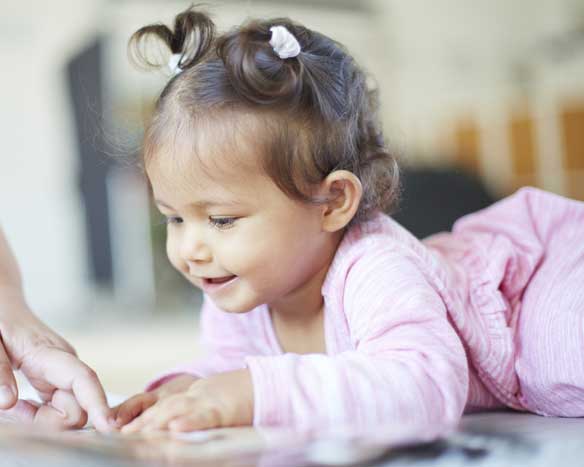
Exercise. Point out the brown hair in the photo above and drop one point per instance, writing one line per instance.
(317, 112)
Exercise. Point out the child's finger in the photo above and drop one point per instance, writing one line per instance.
(157, 418)
(160, 420)
(137, 424)
(130, 409)
(194, 421)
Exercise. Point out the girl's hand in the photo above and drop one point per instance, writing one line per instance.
(134, 406)
(221, 400)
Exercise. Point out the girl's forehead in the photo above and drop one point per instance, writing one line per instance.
(205, 160)
(224, 150)
(220, 170)
(226, 141)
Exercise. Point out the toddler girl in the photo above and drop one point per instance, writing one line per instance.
(265, 156)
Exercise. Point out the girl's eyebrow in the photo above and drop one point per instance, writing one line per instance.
(162, 203)
(200, 204)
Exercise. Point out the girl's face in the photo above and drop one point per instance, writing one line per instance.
(236, 235)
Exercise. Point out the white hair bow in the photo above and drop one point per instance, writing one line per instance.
(173, 64)
(284, 43)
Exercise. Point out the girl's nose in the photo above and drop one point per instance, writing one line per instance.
(197, 254)
(195, 250)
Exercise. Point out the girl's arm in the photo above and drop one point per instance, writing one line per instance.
(409, 365)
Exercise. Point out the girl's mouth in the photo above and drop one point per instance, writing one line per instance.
(213, 284)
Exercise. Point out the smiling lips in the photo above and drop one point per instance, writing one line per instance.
(213, 284)
(218, 280)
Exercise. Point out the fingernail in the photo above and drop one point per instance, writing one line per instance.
(7, 395)
(101, 421)
(61, 413)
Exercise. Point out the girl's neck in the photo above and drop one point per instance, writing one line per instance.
(305, 305)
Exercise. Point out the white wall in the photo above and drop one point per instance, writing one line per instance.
(457, 57)
(39, 204)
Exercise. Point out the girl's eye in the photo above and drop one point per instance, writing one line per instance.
(222, 223)
(173, 220)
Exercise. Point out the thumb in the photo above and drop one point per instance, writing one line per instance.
(8, 388)
(22, 412)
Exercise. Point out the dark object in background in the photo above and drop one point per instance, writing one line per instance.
(84, 80)
(433, 199)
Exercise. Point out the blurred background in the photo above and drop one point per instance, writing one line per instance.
(477, 99)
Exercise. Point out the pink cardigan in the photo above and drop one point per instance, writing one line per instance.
(415, 331)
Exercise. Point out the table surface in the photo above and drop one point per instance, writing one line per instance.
(492, 439)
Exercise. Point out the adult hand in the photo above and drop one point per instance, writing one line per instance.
(68, 388)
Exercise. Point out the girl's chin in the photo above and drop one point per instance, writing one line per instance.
(227, 299)
(233, 306)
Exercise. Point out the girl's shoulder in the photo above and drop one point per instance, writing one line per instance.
(379, 266)
(372, 245)
(380, 234)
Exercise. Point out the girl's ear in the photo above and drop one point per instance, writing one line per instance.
(342, 191)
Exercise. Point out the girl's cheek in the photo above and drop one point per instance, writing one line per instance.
(240, 255)
(173, 254)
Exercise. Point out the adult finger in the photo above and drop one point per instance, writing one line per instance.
(67, 372)
(8, 388)
(73, 416)
(45, 391)
(48, 417)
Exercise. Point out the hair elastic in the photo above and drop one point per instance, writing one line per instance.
(173, 64)
(284, 43)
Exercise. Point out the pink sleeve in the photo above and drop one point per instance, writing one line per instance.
(408, 365)
(225, 342)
